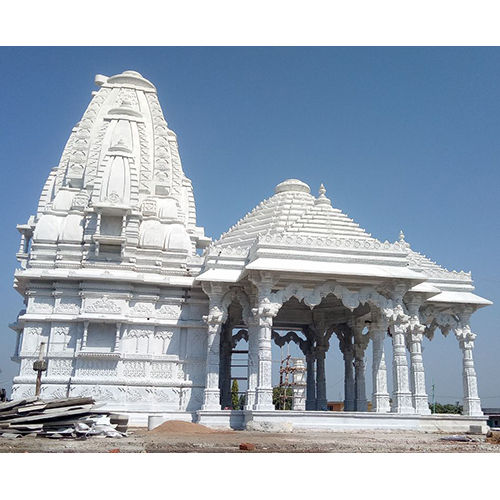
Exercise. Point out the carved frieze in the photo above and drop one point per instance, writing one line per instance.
(134, 369)
(102, 305)
(60, 367)
(169, 311)
(164, 370)
(98, 392)
(41, 305)
(138, 332)
(96, 368)
(162, 395)
(142, 309)
(67, 307)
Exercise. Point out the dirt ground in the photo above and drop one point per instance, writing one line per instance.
(188, 441)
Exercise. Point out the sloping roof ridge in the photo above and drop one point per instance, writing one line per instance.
(269, 213)
(335, 217)
(421, 261)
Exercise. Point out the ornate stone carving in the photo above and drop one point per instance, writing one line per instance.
(163, 333)
(41, 306)
(134, 369)
(138, 332)
(96, 368)
(161, 395)
(142, 309)
(98, 392)
(169, 311)
(60, 367)
(163, 370)
(67, 308)
(104, 305)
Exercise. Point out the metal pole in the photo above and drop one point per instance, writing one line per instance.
(39, 366)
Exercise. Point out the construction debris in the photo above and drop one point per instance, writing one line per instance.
(460, 437)
(247, 446)
(59, 418)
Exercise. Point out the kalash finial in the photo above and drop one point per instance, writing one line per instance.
(401, 236)
(322, 199)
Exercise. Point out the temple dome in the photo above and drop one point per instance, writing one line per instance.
(292, 185)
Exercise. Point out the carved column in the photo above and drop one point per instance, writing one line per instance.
(211, 400)
(321, 401)
(401, 395)
(310, 380)
(360, 343)
(420, 399)
(299, 400)
(346, 346)
(264, 390)
(417, 373)
(253, 363)
(465, 337)
(380, 395)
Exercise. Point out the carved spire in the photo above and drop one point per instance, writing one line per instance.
(322, 199)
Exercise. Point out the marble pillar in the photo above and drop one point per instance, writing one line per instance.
(264, 390)
(211, 400)
(360, 402)
(380, 395)
(419, 394)
(471, 402)
(401, 395)
(253, 364)
(299, 386)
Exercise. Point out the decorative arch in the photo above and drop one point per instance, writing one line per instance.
(350, 299)
(241, 297)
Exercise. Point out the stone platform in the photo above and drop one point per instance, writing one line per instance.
(286, 421)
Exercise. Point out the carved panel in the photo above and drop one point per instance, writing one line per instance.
(142, 309)
(133, 394)
(134, 369)
(68, 307)
(102, 305)
(41, 305)
(138, 332)
(60, 367)
(98, 392)
(96, 368)
(163, 395)
(169, 311)
(164, 370)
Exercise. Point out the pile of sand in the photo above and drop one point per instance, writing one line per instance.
(180, 427)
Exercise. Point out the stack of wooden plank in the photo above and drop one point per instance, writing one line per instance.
(57, 418)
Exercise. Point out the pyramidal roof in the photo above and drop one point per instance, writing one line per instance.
(292, 210)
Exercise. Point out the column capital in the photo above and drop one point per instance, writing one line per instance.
(465, 336)
(266, 310)
(215, 291)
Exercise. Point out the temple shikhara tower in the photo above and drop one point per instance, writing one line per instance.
(136, 307)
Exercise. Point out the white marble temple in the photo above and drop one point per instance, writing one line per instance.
(139, 308)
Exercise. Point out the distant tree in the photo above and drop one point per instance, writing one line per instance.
(282, 398)
(456, 408)
(235, 402)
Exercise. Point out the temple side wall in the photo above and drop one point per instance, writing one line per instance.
(136, 348)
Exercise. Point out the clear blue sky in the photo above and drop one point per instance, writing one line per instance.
(401, 137)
